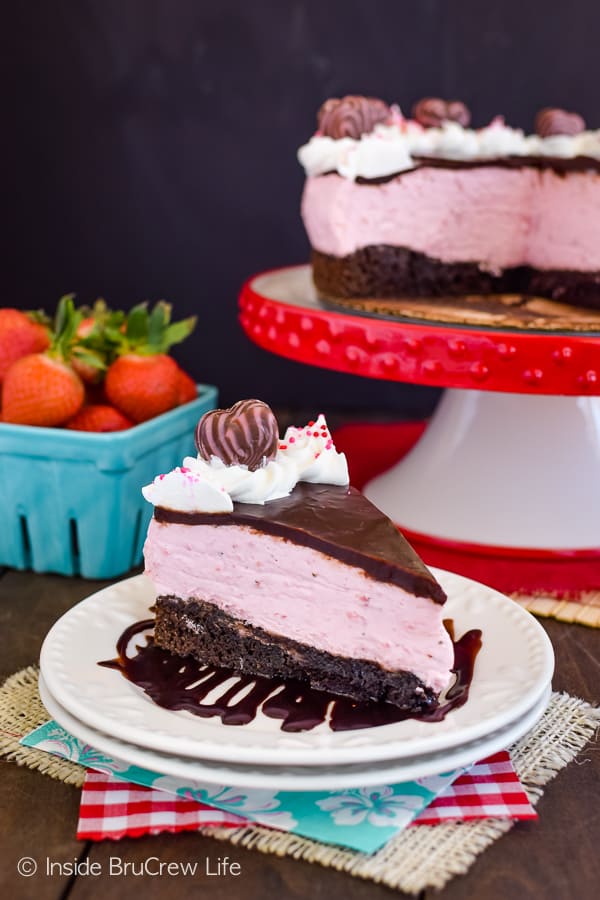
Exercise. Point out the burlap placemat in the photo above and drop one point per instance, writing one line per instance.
(416, 859)
(583, 611)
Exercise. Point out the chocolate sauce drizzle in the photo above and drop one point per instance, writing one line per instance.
(176, 682)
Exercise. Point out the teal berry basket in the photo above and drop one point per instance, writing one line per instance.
(71, 501)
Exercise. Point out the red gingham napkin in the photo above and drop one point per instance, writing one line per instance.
(490, 789)
(112, 809)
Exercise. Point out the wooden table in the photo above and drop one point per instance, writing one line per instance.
(556, 857)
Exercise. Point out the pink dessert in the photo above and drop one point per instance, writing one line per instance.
(430, 207)
(302, 578)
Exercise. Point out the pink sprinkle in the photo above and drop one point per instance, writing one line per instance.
(310, 424)
(317, 455)
(160, 477)
(292, 440)
(283, 446)
(185, 470)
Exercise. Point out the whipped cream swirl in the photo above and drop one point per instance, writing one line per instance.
(399, 145)
(209, 486)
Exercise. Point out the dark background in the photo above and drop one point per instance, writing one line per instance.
(150, 145)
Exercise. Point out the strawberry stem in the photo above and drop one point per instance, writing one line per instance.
(149, 333)
(66, 322)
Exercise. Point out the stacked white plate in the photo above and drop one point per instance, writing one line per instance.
(509, 693)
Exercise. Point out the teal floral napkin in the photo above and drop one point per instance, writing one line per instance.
(360, 818)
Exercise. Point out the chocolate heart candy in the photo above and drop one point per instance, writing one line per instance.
(247, 434)
(431, 112)
(551, 121)
(351, 116)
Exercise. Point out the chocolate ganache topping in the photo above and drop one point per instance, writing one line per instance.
(338, 521)
(351, 116)
(247, 434)
(550, 121)
(432, 112)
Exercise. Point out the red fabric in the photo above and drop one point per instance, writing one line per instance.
(373, 448)
(490, 789)
(111, 808)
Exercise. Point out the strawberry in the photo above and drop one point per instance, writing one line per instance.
(90, 373)
(41, 388)
(143, 386)
(99, 417)
(19, 336)
(143, 381)
(187, 390)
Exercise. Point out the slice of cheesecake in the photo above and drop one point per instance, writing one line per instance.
(317, 584)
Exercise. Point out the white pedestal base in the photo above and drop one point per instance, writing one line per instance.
(501, 470)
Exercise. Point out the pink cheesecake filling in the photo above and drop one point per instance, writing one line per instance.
(302, 594)
(492, 216)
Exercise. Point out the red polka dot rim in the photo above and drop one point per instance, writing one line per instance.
(504, 484)
(280, 312)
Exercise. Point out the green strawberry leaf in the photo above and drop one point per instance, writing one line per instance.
(157, 322)
(145, 333)
(90, 358)
(40, 317)
(64, 311)
(136, 331)
(66, 322)
(178, 331)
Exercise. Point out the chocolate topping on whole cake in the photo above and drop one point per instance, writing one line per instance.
(351, 116)
(432, 112)
(551, 121)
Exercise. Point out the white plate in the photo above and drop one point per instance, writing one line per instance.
(512, 670)
(295, 778)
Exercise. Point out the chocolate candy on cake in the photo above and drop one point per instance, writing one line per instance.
(551, 121)
(432, 112)
(351, 116)
(244, 435)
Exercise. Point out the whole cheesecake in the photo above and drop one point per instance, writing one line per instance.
(428, 207)
(267, 562)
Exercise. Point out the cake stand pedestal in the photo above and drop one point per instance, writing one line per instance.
(504, 485)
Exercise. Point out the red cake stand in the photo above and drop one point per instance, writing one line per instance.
(504, 485)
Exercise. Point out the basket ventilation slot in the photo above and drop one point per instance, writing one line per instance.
(74, 541)
(25, 542)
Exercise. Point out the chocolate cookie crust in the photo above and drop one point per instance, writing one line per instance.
(385, 271)
(201, 630)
